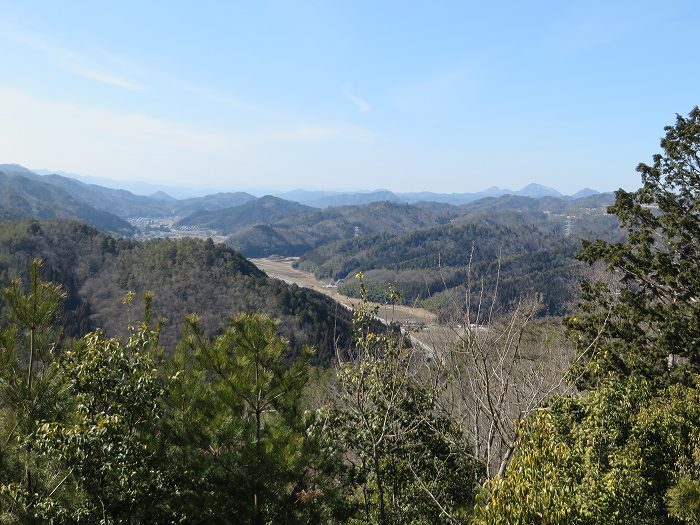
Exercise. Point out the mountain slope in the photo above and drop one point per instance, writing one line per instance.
(22, 197)
(354, 199)
(585, 192)
(538, 190)
(215, 201)
(525, 250)
(187, 276)
(126, 204)
(122, 203)
(295, 235)
(263, 210)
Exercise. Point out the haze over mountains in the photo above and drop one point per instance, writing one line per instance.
(324, 199)
(314, 198)
(419, 243)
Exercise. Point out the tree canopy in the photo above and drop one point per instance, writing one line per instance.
(648, 323)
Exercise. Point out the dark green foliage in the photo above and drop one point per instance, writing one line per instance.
(218, 432)
(103, 431)
(250, 438)
(30, 391)
(408, 463)
(653, 319)
(626, 450)
(107, 446)
(684, 500)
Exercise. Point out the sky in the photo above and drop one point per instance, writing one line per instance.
(410, 96)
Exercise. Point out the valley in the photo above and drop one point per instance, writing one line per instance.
(349, 263)
(419, 324)
(282, 268)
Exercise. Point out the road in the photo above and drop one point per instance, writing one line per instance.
(282, 269)
(430, 337)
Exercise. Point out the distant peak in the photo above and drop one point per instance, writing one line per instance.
(585, 192)
(162, 196)
(537, 190)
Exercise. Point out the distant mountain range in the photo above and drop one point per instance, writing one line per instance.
(134, 186)
(320, 199)
(29, 194)
(297, 233)
(23, 196)
(121, 203)
(419, 242)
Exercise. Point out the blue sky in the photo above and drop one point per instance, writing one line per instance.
(436, 95)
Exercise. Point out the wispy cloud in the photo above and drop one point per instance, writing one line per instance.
(68, 61)
(359, 103)
(79, 138)
(101, 76)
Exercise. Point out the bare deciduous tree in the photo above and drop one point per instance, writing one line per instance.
(491, 369)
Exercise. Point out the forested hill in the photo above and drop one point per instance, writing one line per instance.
(298, 234)
(187, 276)
(23, 197)
(110, 201)
(124, 204)
(262, 210)
(528, 252)
(546, 203)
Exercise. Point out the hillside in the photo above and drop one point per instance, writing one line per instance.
(353, 199)
(215, 201)
(263, 210)
(126, 204)
(596, 201)
(296, 235)
(187, 276)
(122, 203)
(527, 251)
(22, 198)
(299, 233)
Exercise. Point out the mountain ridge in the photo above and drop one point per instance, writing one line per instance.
(23, 197)
(320, 198)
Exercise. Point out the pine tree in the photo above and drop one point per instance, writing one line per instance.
(31, 391)
(256, 428)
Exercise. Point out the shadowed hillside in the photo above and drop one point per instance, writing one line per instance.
(186, 276)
